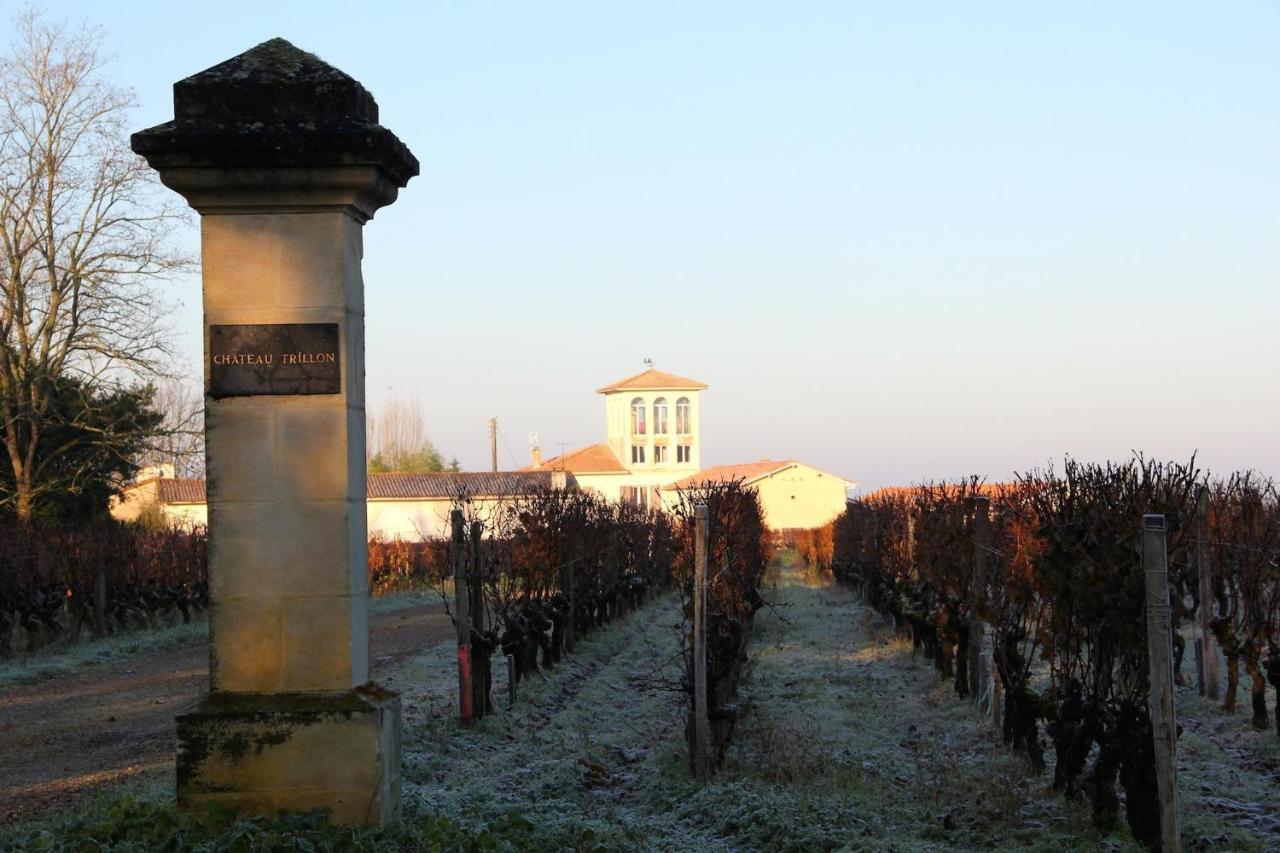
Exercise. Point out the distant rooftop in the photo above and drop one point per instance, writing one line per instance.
(594, 459)
(748, 472)
(180, 490)
(395, 486)
(653, 380)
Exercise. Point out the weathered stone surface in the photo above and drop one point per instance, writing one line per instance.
(273, 81)
(284, 158)
(294, 751)
(274, 105)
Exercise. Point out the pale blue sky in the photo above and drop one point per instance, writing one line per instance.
(898, 240)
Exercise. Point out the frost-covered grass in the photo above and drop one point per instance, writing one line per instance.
(1228, 776)
(394, 601)
(844, 742)
(837, 707)
(592, 750)
(870, 749)
(59, 661)
(125, 823)
(63, 660)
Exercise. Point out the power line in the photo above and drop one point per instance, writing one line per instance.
(515, 462)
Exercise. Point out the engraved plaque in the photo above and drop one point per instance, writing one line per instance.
(277, 358)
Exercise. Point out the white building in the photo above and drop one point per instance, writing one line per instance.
(794, 496)
(651, 439)
(398, 505)
(653, 451)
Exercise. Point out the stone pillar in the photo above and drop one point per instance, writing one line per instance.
(284, 159)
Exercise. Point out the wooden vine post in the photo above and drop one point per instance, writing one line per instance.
(570, 629)
(1160, 658)
(511, 681)
(701, 724)
(1200, 685)
(475, 613)
(461, 615)
(978, 674)
(911, 546)
(997, 697)
(1210, 652)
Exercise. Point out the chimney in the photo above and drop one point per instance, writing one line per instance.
(537, 457)
(559, 480)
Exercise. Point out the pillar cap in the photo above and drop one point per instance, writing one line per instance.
(274, 107)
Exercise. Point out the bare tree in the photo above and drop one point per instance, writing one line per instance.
(83, 237)
(180, 440)
(396, 439)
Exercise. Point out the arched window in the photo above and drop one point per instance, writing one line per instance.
(683, 426)
(660, 416)
(637, 417)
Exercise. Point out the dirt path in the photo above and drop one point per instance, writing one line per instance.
(64, 738)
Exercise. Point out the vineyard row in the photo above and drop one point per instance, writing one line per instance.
(1051, 566)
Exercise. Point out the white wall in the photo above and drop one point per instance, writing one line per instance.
(619, 437)
(409, 519)
(801, 497)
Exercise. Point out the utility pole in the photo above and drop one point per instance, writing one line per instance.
(493, 443)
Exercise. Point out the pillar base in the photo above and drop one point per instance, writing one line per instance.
(262, 753)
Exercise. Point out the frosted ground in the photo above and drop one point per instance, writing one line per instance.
(844, 742)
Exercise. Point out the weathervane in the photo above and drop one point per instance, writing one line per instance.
(649, 363)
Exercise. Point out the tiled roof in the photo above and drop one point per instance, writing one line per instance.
(450, 484)
(596, 459)
(400, 486)
(748, 471)
(653, 380)
(180, 490)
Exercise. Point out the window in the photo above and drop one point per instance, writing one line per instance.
(659, 453)
(659, 417)
(637, 454)
(682, 416)
(637, 417)
(637, 495)
(684, 453)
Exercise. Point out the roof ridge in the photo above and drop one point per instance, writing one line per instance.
(747, 471)
(665, 381)
(393, 485)
(569, 455)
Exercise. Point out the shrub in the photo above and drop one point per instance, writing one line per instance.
(54, 582)
(1061, 580)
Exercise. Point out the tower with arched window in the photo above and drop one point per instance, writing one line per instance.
(651, 425)
(651, 440)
